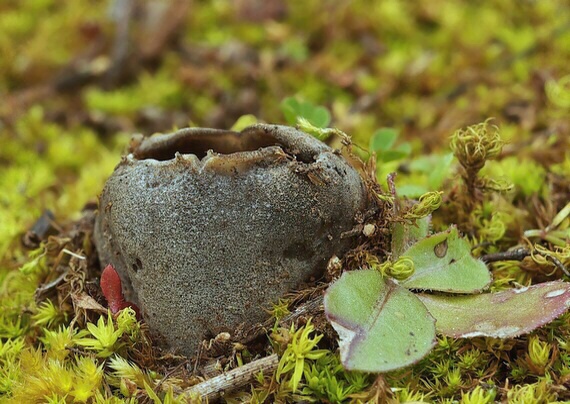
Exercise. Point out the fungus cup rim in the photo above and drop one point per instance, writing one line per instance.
(254, 143)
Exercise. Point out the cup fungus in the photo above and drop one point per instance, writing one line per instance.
(206, 227)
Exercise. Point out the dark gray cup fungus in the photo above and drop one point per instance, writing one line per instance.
(207, 227)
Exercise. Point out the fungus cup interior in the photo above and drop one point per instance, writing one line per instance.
(198, 141)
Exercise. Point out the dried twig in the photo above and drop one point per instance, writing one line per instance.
(517, 254)
(217, 386)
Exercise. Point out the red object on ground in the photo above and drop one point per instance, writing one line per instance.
(113, 292)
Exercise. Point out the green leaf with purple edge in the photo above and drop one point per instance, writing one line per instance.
(404, 235)
(505, 314)
(443, 262)
(381, 325)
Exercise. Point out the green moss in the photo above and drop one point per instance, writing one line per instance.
(527, 175)
(61, 177)
(160, 90)
(373, 65)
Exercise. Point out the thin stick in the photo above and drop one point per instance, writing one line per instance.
(517, 254)
(217, 386)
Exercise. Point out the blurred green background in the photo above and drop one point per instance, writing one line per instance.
(77, 78)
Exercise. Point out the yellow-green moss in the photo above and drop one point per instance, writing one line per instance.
(373, 65)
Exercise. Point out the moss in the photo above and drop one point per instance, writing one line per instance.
(527, 176)
(373, 65)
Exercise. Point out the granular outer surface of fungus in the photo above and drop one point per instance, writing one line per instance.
(206, 227)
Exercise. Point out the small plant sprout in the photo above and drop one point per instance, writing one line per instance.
(37, 263)
(318, 132)
(102, 338)
(300, 349)
(538, 355)
(491, 227)
(113, 292)
(539, 392)
(453, 381)
(479, 396)
(48, 315)
(501, 185)
(471, 359)
(88, 379)
(11, 326)
(473, 146)
(427, 204)
(405, 395)
(243, 122)
(75, 380)
(127, 322)
(58, 343)
(440, 368)
(128, 375)
(280, 310)
(327, 379)
(476, 144)
(556, 259)
(402, 269)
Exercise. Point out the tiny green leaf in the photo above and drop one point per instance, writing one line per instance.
(243, 122)
(383, 139)
(290, 107)
(381, 325)
(320, 117)
(307, 127)
(403, 150)
(505, 314)
(444, 263)
(435, 166)
(440, 171)
(412, 191)
(293, 109)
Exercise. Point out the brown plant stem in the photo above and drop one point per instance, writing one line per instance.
(517, 254)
